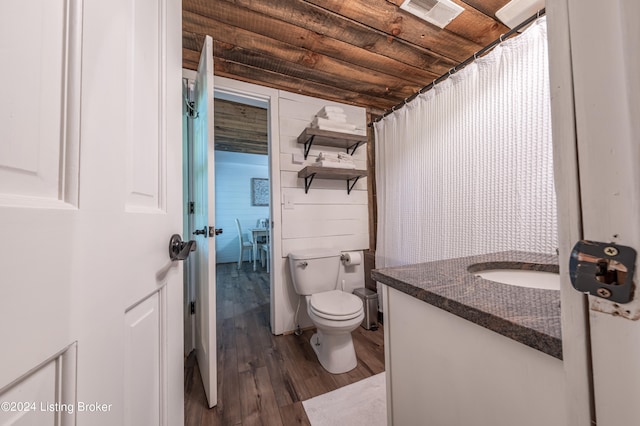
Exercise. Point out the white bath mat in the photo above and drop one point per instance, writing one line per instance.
(360, 403)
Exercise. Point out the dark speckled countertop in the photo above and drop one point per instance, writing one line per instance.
(528, 315)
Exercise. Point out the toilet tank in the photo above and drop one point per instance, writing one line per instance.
(314, 270)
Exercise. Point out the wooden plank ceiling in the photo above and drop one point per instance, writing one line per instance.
(240, 128)
(368, 53)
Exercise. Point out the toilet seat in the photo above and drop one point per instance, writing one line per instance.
(335, 305)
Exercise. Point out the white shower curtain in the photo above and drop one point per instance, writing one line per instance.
(466, 168)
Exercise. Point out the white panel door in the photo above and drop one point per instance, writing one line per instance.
(607, 111)
(203, 220)
(90, 193)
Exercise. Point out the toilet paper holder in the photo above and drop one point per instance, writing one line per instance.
(351, 258)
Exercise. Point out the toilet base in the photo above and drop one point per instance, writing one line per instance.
(334, 351)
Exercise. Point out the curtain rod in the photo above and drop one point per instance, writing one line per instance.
(461, 65)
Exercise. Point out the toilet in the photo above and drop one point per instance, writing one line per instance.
(335, 313)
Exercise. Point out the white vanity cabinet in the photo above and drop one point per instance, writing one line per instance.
(444, 370)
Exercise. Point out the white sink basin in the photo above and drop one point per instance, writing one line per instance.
(522, 278)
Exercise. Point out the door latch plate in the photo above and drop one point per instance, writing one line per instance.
(604, 270)
(213, 231)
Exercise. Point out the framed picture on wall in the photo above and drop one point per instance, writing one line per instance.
(259, 192)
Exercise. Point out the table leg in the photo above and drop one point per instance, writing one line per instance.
(255, 253)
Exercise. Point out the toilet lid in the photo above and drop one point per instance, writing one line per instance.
(336, 304)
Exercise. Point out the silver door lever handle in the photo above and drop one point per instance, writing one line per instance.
(180, 250)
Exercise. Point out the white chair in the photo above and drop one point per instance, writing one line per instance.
(265, 251)
(244, 245)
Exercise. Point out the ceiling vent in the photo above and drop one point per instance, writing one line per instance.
(437, 12)
(515, 12)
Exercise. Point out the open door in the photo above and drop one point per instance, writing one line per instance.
(203, 219)
(596, 133)
(90, 194)
(607, 137)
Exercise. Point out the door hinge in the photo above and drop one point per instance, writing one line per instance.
(192, 112)
(192, 307)
(192, 207)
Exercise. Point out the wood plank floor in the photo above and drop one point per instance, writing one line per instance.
(262, 378)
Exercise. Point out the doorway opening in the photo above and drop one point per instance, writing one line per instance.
(243, 250)
(242, 193)
(234, 128)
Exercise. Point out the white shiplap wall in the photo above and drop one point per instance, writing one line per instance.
(234, 171)
(326, 216)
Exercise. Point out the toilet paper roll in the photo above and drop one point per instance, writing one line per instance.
(351, 258)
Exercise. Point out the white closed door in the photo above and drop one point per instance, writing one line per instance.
(90, 193)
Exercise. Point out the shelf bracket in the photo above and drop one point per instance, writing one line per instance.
(307, 146)
(351, 185)
(307, 182)
(354, 146)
